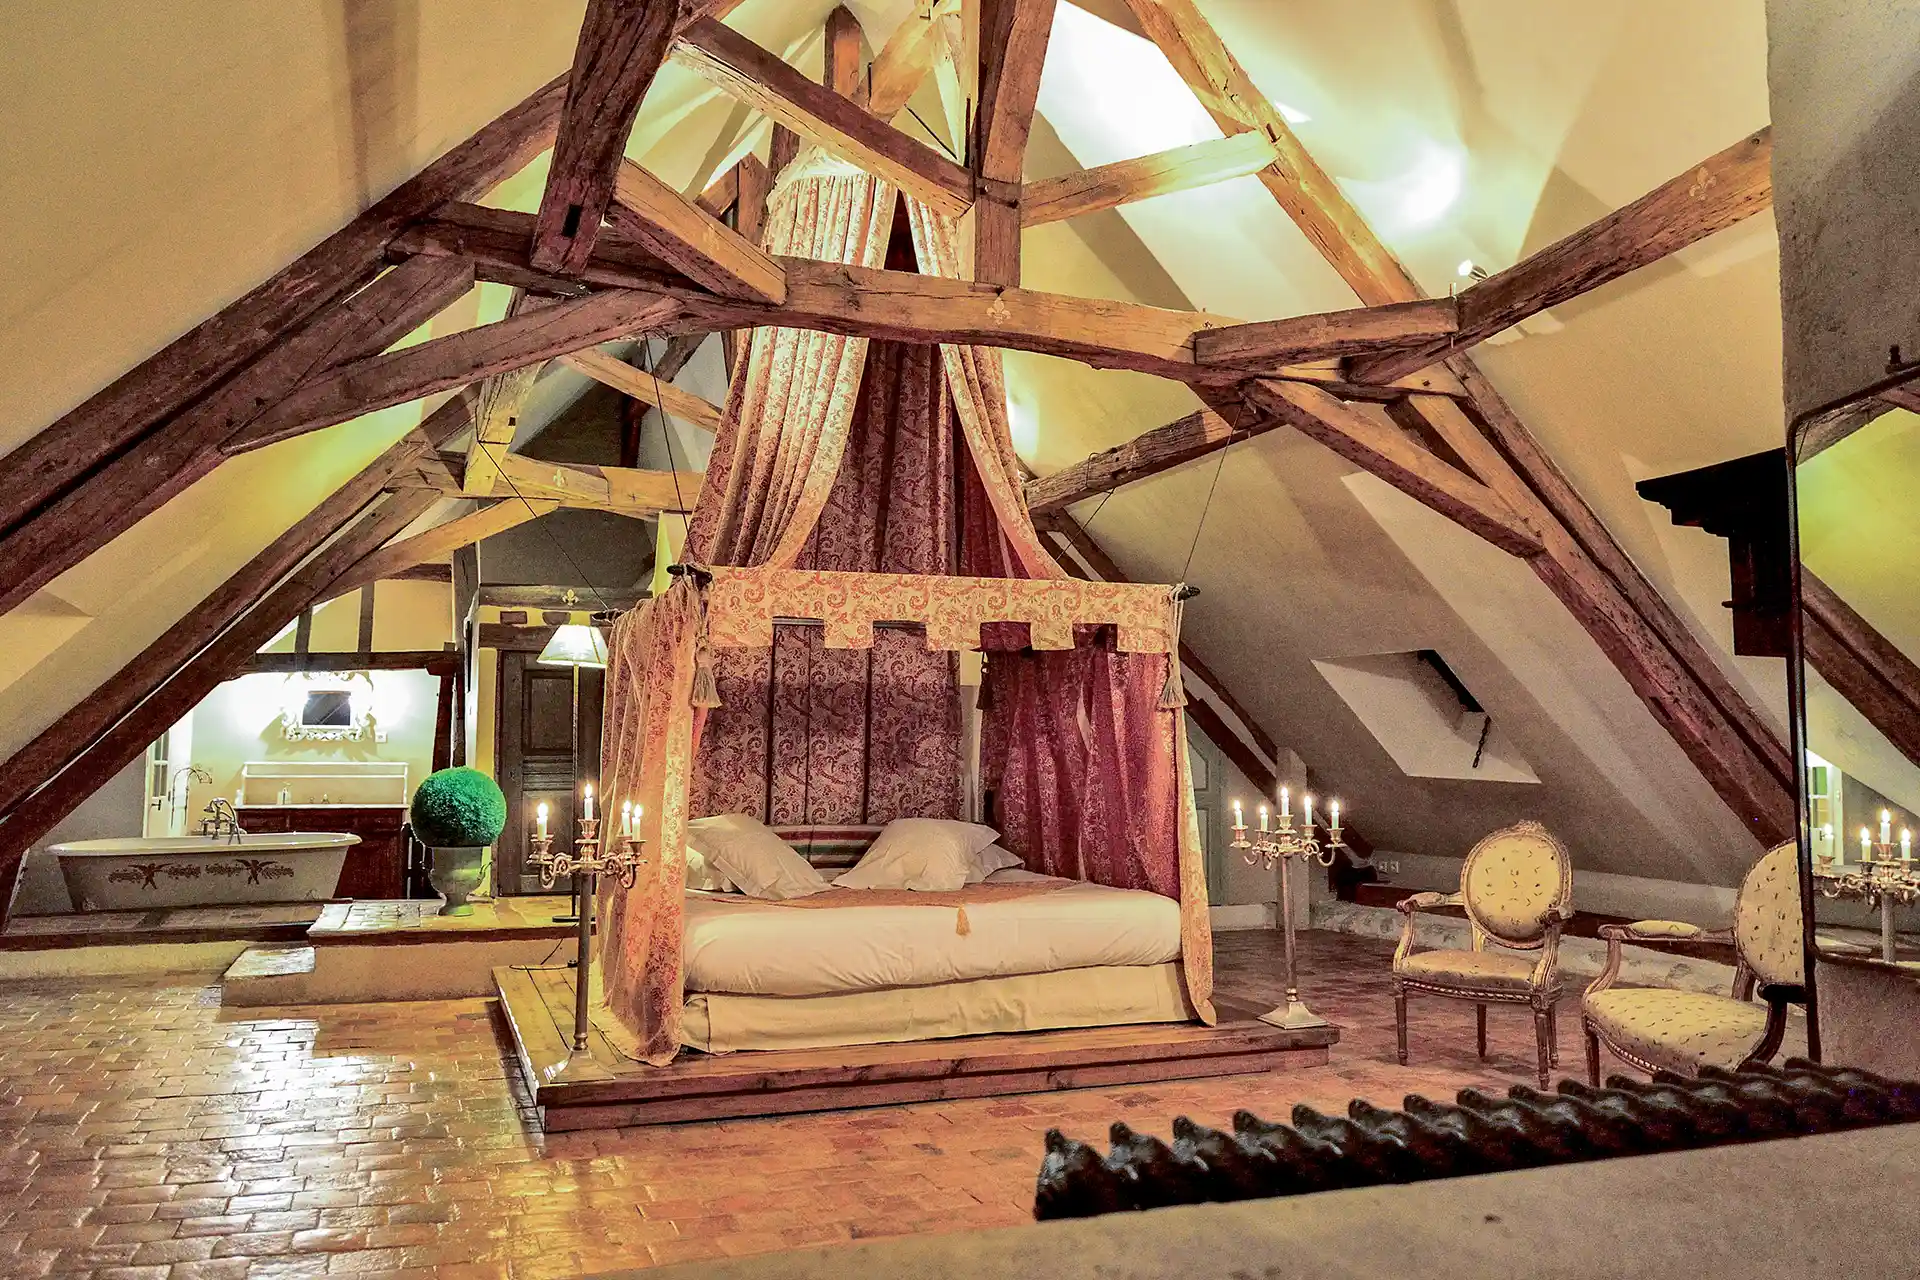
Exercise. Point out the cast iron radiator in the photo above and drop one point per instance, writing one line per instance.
(1479, 1133)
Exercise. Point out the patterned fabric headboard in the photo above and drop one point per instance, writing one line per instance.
(829, 847)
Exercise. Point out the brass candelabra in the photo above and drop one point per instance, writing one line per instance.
(1284, 843)
(1880, 879)
(585, 863)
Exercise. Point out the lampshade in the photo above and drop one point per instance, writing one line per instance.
(575, 644)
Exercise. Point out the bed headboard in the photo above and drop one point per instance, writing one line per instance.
(829, 847)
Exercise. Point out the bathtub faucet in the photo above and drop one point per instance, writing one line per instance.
(221, 820)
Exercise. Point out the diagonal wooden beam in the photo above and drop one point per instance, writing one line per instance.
(1739, 754)
(842, 70)
(1381, 449)
(622, 44)
(744, 70)
(1147, 454)
(1863, 666)
(186, 370)
(1724, 189)
(439, 541)
(1013, 48)
(679, 350)
(1311, 198)
(904, 62)
(1267, 344)
(502, 397)
(1199, 164)
(115, 697)
(641, 385)
(168, 461)
(457, 359)
(687, 237)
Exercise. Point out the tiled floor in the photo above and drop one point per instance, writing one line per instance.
(146, 1132)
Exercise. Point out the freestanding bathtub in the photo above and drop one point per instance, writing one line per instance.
(195, 871)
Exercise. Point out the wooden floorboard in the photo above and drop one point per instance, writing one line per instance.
(603, 1088)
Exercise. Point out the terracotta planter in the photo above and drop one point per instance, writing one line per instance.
(456, 873)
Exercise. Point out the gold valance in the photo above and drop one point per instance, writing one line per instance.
(742, 604)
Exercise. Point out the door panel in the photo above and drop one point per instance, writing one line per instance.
(539, 759)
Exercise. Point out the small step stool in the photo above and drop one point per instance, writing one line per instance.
(270, 975)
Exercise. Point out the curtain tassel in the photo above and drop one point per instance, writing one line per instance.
(706, 691)
(1174, 693)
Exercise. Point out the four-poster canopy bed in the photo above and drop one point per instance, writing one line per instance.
(860, 532)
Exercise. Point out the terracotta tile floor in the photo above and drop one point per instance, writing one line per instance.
(147, 1132)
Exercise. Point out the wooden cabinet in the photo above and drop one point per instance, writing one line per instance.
(377, 867)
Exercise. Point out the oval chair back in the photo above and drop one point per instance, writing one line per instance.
(1767, 932)
(1513, 883)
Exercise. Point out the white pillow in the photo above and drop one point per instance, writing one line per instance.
(929, 854)
(746, 851)
(989, 860)
(701, 875)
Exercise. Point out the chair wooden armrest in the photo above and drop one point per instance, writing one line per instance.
(1409, 907)
(1648, 933)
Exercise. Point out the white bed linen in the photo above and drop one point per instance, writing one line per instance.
(735, 944)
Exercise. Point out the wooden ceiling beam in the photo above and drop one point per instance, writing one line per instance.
(622, 44)
(691, 240)
(1267, 344)
(1311, 198)
(1382, 450)
(627, 491)
(907, 58)
(93, 715)
(1862, 665)
(674, 357)
(842, 72)
(1199, 164)
(1013, 48)
(440, 541)
(642, 385)
(502, 398)
(1722, 190)
(460, 358)
(189, 368)
(744, 70)
(168, 461)
(1147, 454)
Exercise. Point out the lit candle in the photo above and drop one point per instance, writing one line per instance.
(1239, 819)
(1263, 817)
(1906, 845)
(1866, 845)
(1286, 805)
(588, 812)
(1306, 805)
(626, 817)
(1886, 827)
(540, 828)
(1335, 825)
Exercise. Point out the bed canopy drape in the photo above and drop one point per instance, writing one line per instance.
(857, 483)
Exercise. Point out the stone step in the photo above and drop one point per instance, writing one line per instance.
(269, 975)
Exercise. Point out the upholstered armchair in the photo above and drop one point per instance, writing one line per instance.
(1517, 889)
(1654, 1028)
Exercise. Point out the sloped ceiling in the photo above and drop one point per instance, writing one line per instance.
(161, 167)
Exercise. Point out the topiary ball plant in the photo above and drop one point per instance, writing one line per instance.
(458, 809)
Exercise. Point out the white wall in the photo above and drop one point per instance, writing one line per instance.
(115, 810)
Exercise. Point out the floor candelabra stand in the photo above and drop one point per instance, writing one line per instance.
(1284, 843)
(585, 864)
(1879, 879)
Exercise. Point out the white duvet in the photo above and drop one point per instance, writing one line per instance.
(736, 944)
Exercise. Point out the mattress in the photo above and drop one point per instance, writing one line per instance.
(1099, 997)
(736, 945)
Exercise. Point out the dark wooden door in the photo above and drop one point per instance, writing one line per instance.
(539, 758)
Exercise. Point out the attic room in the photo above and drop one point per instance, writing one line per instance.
(751, 637)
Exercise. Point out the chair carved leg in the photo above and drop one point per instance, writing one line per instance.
(1480, 1030)
(1400, 1021)
(1593, 1054)
(1542, 1037)
(1553, 1034)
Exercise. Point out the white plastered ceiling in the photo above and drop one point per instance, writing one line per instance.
(159, 169)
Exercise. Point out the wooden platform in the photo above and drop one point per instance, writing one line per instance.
(238, 922)
(601, 1088)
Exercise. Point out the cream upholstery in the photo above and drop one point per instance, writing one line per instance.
(1679, 1030)
(1472, 968)
(1516, 886)
(1653, 1028)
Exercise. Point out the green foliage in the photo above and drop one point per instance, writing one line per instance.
(458, 808)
